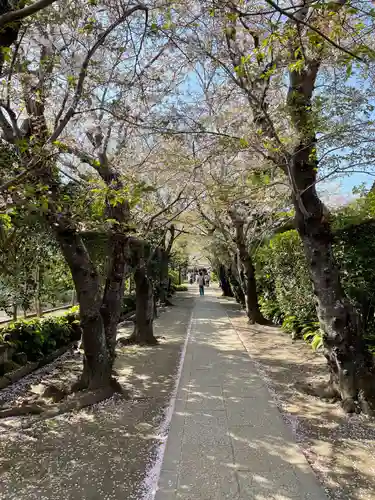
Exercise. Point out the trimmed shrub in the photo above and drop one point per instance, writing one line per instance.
(38, 337)
(180, 288)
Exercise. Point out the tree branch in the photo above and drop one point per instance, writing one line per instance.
(312, 28)
(83, 71)
(155, 216)
(17, 15)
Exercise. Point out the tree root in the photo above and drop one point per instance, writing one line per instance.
(322, 391)
(328, 393)
(20, 411)
(260, 322)
(83, 399)
(132, 340)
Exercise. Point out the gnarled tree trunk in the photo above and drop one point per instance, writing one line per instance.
(351, 364)
(224, 282)
(249, 288)
(235, 284)
(97, 367)
(246, 273)
(144, 315)
(114, 290)
(164, 278)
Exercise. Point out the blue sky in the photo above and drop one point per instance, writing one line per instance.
(348, 183)
(345, 184)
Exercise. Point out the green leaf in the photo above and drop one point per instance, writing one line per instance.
(317, 342)
(71, 79)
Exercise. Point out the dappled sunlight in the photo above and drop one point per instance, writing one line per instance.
(116, 439)
(227, 437)
(339, 447)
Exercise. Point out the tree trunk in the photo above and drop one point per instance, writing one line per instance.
(14, 312)
(155, 305)
(235, 284)
(144, 316)
(97, 366)
(224, 282)
(164, 278)
(249, 287)
(114, 291)
(246, 273)
(179, 275)
(251, 296)
(351, 364)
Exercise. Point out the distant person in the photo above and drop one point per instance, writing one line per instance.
(200, 281)
(207, 280)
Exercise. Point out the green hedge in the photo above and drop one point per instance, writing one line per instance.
(286, 294)
(38, 337)
(180, 288)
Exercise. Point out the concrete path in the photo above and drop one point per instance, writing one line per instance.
(227, 439)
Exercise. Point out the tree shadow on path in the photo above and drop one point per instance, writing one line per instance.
(339, 447)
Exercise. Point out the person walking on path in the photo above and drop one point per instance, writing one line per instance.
(201, 283)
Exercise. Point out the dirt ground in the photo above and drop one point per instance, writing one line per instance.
(106, 452)
(103, 452)
(339, 447)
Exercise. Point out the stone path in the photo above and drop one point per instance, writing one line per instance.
(227, 439)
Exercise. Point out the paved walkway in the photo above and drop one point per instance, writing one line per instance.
(227, 439)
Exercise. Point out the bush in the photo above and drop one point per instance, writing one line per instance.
(180, 288)
(37, 338)
(354, 250)
(72, 315)
(214, 277)
(128, 304)
(271, 310)
(285, 289)
(311, 333)
(283, 278)
(173, 276)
